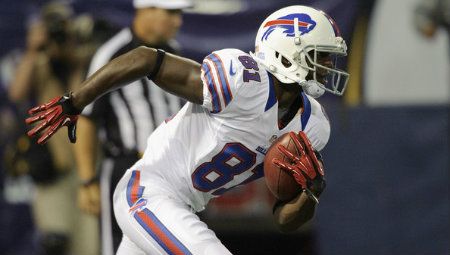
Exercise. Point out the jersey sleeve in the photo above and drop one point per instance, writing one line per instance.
(219, 87)
(229, 89)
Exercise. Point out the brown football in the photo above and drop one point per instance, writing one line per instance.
(280, 183)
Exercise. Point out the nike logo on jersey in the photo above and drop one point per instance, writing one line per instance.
(232, 72)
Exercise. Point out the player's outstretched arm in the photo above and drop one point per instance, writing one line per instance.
(177, 75)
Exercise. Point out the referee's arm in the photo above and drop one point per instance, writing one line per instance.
(85, 156)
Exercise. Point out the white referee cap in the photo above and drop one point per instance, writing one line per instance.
(163, 4)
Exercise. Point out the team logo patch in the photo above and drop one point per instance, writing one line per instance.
(305, 25)
(273, 138)
(138, 206)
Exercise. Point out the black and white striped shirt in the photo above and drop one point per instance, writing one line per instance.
(126, 117)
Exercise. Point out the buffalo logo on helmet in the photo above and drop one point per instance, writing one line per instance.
(305, 25)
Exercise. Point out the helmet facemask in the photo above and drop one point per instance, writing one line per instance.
(324, 66)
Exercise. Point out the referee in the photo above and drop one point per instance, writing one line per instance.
(120, 122)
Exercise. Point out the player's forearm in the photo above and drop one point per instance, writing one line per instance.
(85, 149)
(177, 75)
(118, 72)
(293, 214)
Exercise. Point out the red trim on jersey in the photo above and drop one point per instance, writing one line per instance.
(225, 76)
(215, 87)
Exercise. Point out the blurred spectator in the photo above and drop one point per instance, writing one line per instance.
(49, 65)
(432, 14)
(402, 67)
(16, 187)
(122, 120)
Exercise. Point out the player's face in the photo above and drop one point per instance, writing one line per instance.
(324, 59)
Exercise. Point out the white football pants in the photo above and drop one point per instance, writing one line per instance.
(159, 224)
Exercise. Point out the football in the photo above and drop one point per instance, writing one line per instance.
(281, 184)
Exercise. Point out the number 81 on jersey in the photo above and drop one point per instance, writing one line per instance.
(234, 159)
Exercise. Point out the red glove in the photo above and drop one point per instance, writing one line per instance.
(54, 114)
(305, 168)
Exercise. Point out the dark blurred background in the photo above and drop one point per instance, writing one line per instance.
(387, 161)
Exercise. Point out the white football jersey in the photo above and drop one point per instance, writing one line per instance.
(205, 150)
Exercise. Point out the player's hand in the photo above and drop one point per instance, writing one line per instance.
(52, 116)
(305, 168)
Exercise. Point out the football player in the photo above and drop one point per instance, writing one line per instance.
(237, 104)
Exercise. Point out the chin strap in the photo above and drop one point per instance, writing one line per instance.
(312, 88)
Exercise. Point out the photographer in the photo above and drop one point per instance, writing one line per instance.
(48, 67)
